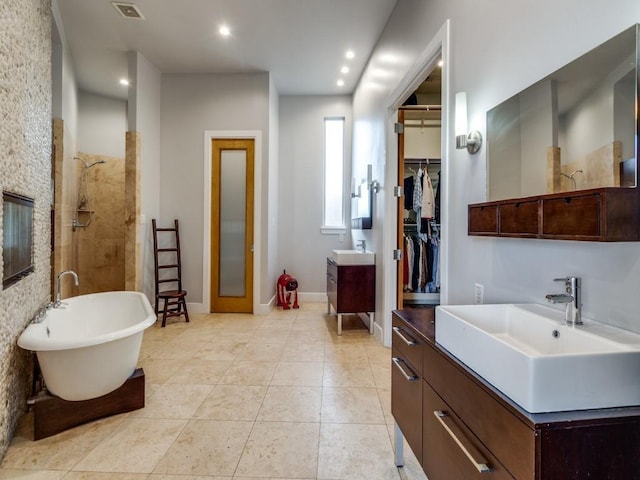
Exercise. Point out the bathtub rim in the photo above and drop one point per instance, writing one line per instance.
(31, 339)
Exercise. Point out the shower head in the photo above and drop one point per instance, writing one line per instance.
(96, 163)
(87, 165)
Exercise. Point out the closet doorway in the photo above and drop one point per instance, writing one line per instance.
(419, 212)
(232, 194)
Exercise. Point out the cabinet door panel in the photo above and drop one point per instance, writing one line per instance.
(449, 450)
(407, 344)
(406, 402)
(483, 220)
(480, 410)
(519, 218)
(572, 216)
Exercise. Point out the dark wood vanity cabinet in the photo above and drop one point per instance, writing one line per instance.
(603, 215)
(466, 423)
(351, 288)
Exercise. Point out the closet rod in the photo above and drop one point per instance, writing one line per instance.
(418, 161)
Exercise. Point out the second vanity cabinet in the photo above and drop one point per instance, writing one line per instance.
(351, 289)
(460, 427)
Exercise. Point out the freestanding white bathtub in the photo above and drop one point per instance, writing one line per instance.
(89, 346)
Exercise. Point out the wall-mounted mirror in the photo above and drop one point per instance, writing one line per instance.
(361, 206)
(573, 130)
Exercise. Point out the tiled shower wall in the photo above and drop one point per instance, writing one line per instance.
(25, 168)
(101, 248)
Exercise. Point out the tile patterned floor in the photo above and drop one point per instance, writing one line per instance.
(239, 397)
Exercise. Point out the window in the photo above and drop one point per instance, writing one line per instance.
(333, 221)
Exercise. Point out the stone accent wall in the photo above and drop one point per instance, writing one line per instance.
(25, 168)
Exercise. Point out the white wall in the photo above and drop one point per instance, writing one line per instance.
(270, 256)
(302, 248)
(421, 142)
(496, 51)
(102, 125)
(144, 117)
(192, 104)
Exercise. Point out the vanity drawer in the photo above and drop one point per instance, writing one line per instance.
(449, 449)
(482, 413)
(406, 344)
(572, 216)
(483, 219)
(519, 218)
(406, 402)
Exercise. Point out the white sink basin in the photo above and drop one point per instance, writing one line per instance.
(353, 257)
(529, 354)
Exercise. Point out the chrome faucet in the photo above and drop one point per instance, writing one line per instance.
(363, 244)
(572, 298)
(42, 313)
(58, 302)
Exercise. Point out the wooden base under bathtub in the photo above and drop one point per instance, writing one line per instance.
(53, 415)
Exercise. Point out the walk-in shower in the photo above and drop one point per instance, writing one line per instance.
(84, 199)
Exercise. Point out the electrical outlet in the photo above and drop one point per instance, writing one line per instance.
(479, 294)
(341, 238)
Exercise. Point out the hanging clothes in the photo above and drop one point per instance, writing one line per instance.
(418, 263)
(428, 202)
(408, 192)
(417, 191)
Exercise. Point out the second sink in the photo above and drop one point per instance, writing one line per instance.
(353, 257)
(527, 352)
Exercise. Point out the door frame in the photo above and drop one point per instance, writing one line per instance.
(438, 46)
(209, 136)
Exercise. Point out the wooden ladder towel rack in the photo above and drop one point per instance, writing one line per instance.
(168, 271)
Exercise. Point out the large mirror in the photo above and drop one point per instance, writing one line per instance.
(573, 130)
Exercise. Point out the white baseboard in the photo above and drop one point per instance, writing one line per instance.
(265, 308)
(197, 308)
(312, 297)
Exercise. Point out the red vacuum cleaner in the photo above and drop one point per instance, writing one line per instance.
(285, 285)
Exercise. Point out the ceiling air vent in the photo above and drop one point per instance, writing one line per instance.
(128, 10)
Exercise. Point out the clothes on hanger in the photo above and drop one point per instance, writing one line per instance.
(408, 192)
(420, 262)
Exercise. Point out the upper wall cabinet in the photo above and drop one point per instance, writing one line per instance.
(562, 154)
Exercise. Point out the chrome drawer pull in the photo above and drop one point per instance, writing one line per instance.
(396, 361)
(480, 465)
(398, 332)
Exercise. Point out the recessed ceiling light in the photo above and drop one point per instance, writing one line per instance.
(350, 54)
(224, 30)
(124, 81)
(344, 69)
(340, 83)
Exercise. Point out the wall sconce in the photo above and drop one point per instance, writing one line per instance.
(472, 141)
(373, 184)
